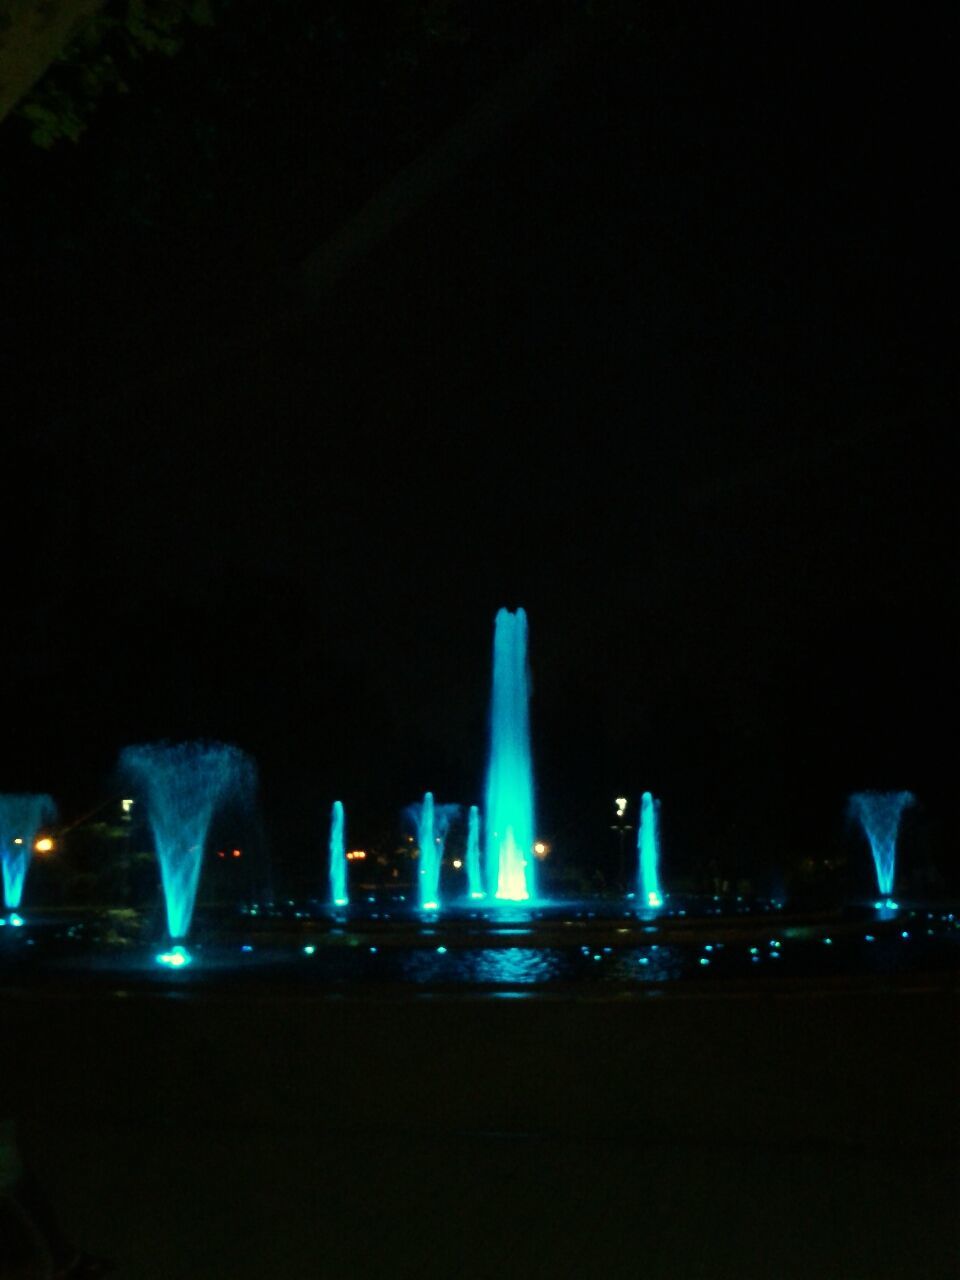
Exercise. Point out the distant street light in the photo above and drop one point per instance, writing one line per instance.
(621, 829)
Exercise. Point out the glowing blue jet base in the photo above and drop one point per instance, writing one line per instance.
(183, 784)
(648, 847)
(509, 816)
(338, 857)
(177, 957)
(21, 817)
(879, 814)
(474, 876)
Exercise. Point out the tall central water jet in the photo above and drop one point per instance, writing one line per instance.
(509, 816)
(879, 814)
(648, 847)
(21, 817)
(432, 822)
(183, 784)
(338, 857)
(474, 876)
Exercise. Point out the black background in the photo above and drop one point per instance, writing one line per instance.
(666, 363)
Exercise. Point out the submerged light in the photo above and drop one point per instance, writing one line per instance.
(175, 958)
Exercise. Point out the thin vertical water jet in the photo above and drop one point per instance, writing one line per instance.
(474, 875)
(432, 822)
(509, 822)
(21, 817)
(429, 862)
(183, 784)
(879, 814)
(648, 848)
(338, 857)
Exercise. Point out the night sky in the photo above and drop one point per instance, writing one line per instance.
(662, 357)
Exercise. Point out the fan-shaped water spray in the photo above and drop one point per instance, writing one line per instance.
(879, 814)
(21, 817)
(183, 784)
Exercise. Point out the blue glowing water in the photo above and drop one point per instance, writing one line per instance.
(182, 785)
(176, 958)
(429, 862)
(879, 813)
(21, 817)
(509, 816)
(432, 822)
(338, 857)
(648, 847)
(474, 875)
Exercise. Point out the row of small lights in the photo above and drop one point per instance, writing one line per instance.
(540, 850)
(177, 957)
(47, 844)
(43, 845)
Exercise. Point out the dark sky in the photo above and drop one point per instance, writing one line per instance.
(665, 361)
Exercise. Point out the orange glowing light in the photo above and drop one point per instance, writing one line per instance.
(43, 845)
(236, 853)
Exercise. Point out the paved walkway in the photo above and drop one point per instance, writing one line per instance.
(246, 1205)
(238, 1135)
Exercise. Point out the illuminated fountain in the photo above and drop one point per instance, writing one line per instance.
(338, 857)
(21, 817)
(432, 822)
(879, 814)
(183, 784)
(648, 847)
(509, 816)
(474, 875)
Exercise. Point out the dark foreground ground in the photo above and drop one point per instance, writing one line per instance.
(753, 1132)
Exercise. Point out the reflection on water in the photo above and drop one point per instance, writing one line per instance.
(647, 964)
(506, 966)
(528, 966)
(465, 956)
